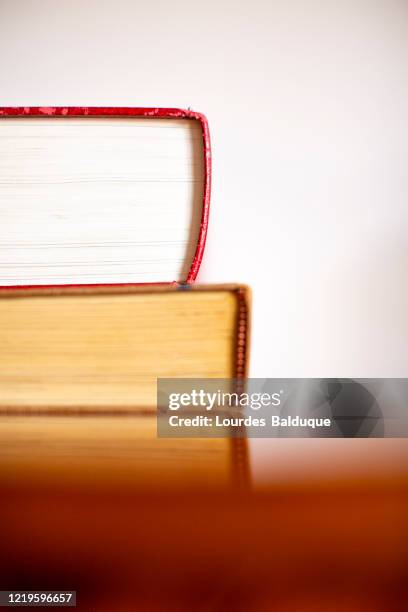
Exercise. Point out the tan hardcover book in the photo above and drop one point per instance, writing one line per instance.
(78, 375)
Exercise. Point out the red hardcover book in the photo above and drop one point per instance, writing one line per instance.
(93, 196)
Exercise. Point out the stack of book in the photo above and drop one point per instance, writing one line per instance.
(104, 214)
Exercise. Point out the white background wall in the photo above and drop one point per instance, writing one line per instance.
(307, 102)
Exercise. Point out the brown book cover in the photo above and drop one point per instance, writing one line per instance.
(78, 373)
